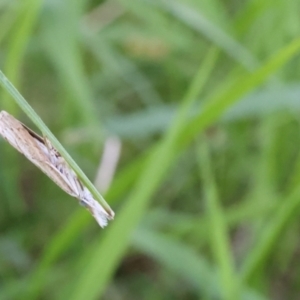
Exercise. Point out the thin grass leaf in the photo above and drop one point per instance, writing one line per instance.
(7, 19)
(216, 106)
(19, 41)
(220, 245)
(60, 35)
(104, 258)
(285, 213)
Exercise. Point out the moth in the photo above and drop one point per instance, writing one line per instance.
(41, 153)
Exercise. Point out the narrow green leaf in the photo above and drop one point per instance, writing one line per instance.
(271, 235)
(105, 257)
(219, 235)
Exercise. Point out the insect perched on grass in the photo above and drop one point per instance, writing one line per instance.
(41, 153)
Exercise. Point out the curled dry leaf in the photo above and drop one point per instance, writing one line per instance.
(41, 153)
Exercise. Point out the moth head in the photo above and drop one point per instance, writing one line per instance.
(98, 212)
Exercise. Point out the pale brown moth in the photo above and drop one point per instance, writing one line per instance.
(41, 153)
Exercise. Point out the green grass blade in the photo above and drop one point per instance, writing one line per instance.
(18, 44)
(106, 255)
(220, 244)
(60, 35)
(271, 235)
(218, 104)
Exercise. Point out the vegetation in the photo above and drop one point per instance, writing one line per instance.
(204, 98)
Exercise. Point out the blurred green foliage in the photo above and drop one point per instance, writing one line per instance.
(205, 99)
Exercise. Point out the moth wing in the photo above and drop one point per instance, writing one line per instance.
(42, 154)
(32, 147)
(60, 179)
(60, 166)
(17, 136)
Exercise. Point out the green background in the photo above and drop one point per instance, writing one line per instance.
(204, 98)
